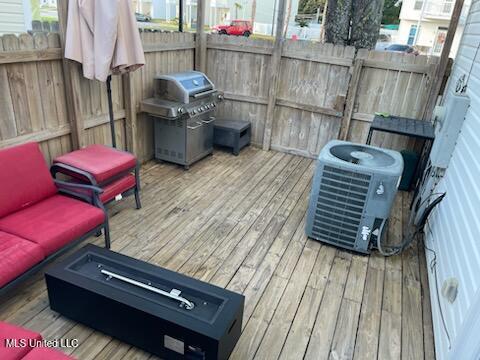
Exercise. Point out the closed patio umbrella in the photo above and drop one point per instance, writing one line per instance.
(103, 36)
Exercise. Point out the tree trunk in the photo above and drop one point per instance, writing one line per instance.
(337, 21)
(366, 21)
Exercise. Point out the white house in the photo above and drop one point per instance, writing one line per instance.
(453, 228)
(15, 16)
(424, 24)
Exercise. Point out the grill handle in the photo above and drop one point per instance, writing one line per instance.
(195, 127)
(173, 294)
(211, 119)
(204, 93)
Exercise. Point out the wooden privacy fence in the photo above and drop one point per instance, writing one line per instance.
(323, 91)
(33, 101)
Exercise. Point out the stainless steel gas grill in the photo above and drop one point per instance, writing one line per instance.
(182, 109)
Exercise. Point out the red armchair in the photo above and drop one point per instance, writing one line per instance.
(18, 343)
(37, 223)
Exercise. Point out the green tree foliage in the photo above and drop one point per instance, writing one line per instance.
(310, 6)
(35, 7)
(391, 13)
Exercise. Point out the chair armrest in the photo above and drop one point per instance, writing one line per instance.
(69, 170)
(85, 192)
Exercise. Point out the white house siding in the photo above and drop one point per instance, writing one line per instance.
(455, 223)
(12, 16)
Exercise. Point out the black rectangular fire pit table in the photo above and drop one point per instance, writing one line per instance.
(163, 312)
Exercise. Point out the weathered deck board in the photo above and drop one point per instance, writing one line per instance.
(238, 222)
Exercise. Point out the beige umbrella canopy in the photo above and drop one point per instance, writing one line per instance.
(103, 36)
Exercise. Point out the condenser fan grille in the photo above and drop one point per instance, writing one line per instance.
(362, 155)
(340, 203)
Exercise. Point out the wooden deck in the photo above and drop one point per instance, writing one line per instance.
(238, 222)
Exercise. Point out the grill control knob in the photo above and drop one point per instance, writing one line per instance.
(180, 110)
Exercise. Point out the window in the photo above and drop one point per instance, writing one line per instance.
(411, 35)
(418, 5)
(447, 7)
(440, 40)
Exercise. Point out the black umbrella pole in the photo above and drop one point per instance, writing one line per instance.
(110, 110)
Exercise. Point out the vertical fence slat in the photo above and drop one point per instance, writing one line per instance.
(351, 95)
(273, 74)
(8, 127)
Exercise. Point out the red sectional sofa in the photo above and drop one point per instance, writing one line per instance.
(37, 222)
(23, 344)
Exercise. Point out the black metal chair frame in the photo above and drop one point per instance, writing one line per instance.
(66, 169)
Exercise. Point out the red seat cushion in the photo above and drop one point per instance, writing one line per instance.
(117, 187)
(17, 255)
(9, 331)
(101, 161)
(54, 222)
(111, 190)
(24, 178)
(43, 353)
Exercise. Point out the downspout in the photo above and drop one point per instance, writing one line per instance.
(422, 12)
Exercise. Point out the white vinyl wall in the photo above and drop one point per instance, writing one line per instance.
(15, 16)
(453, 230)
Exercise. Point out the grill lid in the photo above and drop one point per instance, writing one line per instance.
(183, 86)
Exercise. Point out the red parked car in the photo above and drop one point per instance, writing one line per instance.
(236, 27)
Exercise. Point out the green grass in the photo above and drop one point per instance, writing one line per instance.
(263, 37)
(49, 18)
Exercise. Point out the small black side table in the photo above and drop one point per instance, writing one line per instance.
(414, 128)
(234, 134)
(419, 129)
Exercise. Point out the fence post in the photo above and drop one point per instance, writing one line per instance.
(356, 71)
(130, 101)
(442, 65)
(71, 77)
(201, 39)
(273, 74)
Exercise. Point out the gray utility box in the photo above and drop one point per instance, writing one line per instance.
(234, 134)
(183, 140)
